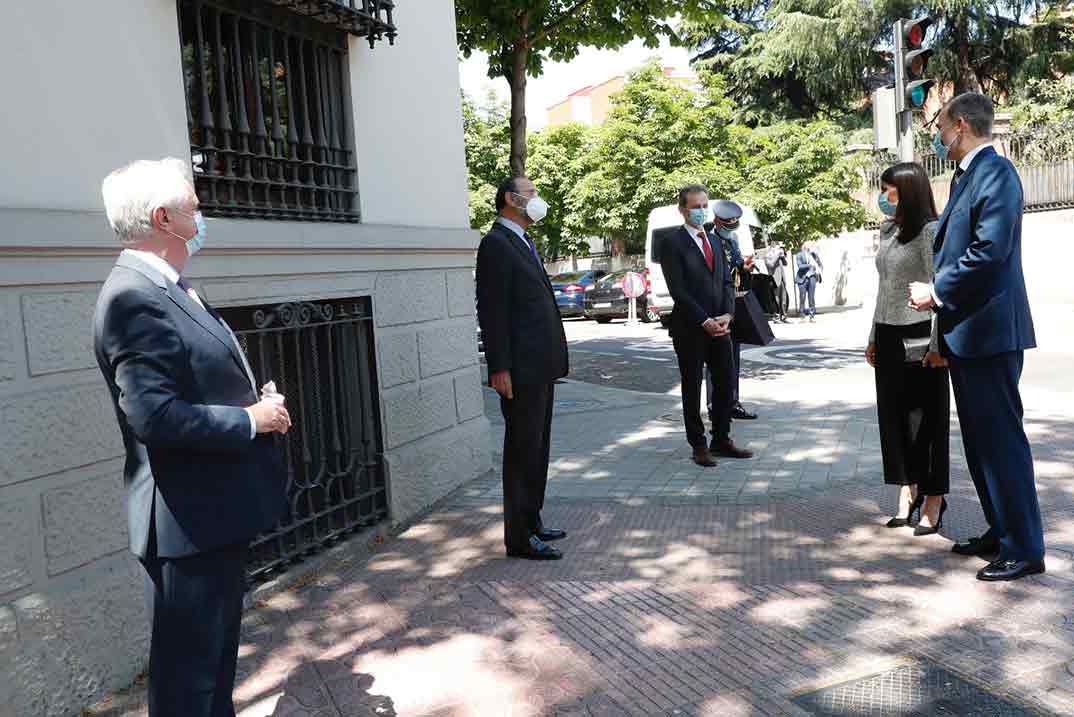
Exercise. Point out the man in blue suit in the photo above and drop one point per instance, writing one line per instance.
(203, 474)
(984, 322)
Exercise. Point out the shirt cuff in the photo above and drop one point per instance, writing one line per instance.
(935, 297)
(253, 424)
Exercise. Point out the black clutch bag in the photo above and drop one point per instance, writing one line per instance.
(915, 349)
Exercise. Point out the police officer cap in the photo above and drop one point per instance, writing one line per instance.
(727, 212)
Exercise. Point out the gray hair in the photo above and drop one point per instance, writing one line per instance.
(132, 193)
(978, 110)
(685, 192)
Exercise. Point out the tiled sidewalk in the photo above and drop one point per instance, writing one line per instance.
(731, 591)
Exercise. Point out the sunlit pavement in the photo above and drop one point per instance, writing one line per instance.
(739, 590)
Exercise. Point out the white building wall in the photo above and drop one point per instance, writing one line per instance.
(89, 87)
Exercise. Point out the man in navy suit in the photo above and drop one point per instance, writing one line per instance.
(203, 475)
(699, 279)
(983, 317)
(526, 352)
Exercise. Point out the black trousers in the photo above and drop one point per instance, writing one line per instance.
(695, 352)
(736, 377)
(526, 447)
(997, 451)
(196, 608)
(913, 406)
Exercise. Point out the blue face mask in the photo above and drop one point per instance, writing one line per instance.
(725, 232)
(886, 205)
(697, 216)
(940, 148)
(194, 244)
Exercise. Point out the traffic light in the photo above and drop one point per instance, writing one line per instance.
(911, 59)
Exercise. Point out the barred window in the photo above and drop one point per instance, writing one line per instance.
(268, 110)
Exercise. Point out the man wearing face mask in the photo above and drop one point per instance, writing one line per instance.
(203, 474)
(985, 326)
(526, 352)
(699, 279)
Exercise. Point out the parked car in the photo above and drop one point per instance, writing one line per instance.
(605, 300)
(570, 290)
(665, 222)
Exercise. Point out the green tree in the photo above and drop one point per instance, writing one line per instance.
(486, 134)
(559, 157)
(658, 137)
(821, 58)
(519, 35)
(799, 181)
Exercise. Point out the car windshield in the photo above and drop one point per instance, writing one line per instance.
(569, 277)
(611, 280)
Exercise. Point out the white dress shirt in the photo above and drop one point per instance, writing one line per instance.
(695, 232)
(169, 273)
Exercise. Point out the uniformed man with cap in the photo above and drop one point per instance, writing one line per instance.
(726, 220)
(699, 280)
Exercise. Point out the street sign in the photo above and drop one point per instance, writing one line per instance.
(885, 125)
(633, 285)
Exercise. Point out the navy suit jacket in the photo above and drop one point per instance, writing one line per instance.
(978, 261)
(699, 294)
(516, 306)
(192, 472)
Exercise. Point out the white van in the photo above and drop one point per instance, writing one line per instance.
(666, 221)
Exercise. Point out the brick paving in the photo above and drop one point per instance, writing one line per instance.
(718, 593)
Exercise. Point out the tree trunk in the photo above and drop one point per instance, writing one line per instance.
(517, 80)
(967, 77)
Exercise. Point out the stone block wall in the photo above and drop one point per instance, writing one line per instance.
(73, 624)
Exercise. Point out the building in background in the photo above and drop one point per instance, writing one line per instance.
(338, 246)
(590, 105)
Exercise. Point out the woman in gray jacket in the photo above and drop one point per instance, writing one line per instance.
(912, 383)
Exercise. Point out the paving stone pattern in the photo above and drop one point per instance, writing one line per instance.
(735, 591)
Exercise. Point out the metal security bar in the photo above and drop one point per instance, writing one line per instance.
(369, 18)
(321, 356)
(268, 112)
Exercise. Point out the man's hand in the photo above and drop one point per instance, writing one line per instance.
(934, 360)
(870, 354)
(711, 327)
(921, 296)
(719, 326)
(501, 383)
(270, 415)
(748, 261)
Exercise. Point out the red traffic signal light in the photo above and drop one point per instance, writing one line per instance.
(914, 32)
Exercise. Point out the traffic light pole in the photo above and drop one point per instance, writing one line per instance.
(904, 116)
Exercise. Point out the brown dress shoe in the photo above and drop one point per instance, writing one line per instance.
(703, 457)
(728, 449)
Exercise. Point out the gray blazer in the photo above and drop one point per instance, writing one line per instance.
(898, 265)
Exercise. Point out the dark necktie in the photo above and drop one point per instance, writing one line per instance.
(958, 175)
(533, 250)
(707, 248)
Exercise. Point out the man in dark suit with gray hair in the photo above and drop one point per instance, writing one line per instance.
(203, 476)
(985, 326)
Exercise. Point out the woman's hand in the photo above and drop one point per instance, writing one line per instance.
(870, 354)
(934, 360)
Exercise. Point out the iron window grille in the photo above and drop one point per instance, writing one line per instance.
(268, 111)
(321, 356)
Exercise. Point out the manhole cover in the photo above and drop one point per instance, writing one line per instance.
(917, 690)
(804, 356)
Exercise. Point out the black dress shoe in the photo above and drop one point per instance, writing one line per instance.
(536, 550)
(703, 457)
(977, 546)
(728, 449)
(548, 534)
(1010, 570)
(741, 413)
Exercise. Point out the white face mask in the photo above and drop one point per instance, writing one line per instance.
(536, 208)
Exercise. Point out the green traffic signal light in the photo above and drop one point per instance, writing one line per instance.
(917, 93)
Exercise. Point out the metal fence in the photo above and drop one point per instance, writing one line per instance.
(1044, 157)
(321, 356)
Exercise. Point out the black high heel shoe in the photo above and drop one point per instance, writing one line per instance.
(922, 530)
(903, 522)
